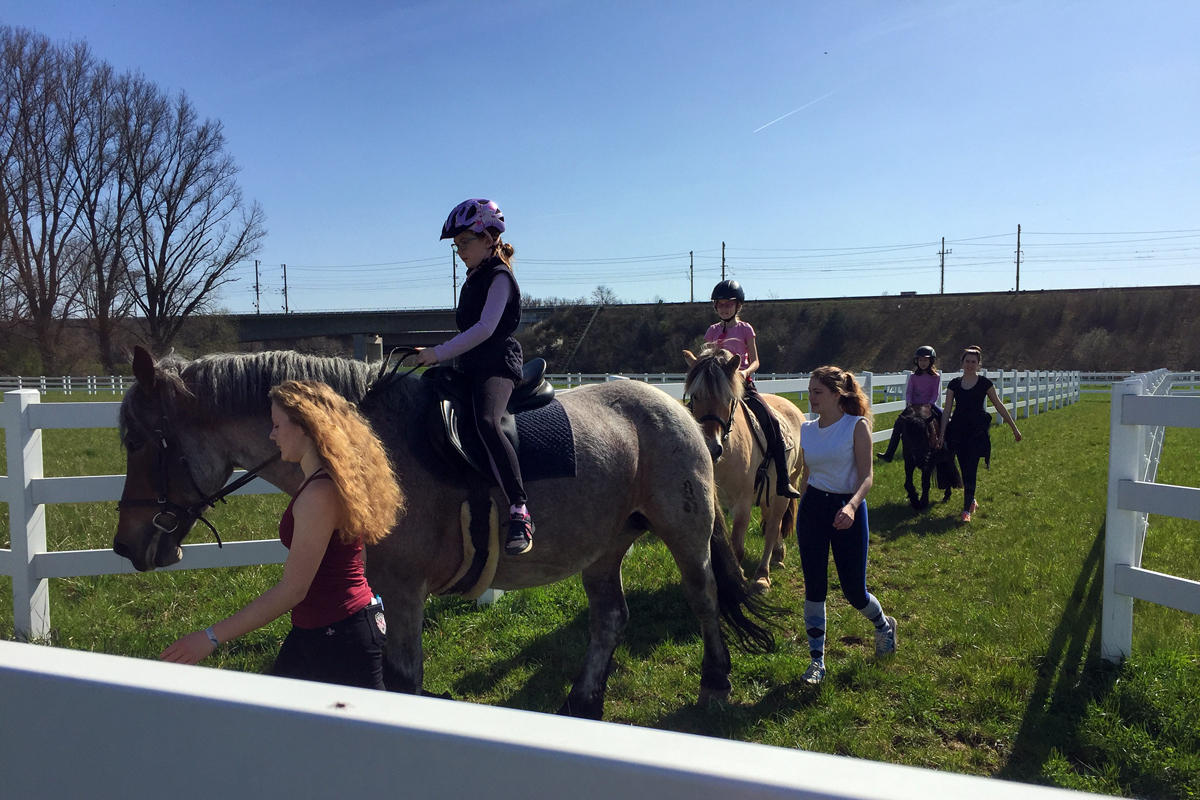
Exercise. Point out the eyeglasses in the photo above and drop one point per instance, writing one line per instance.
(461, 243)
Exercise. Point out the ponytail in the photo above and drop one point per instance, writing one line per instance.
(502, 249)
(851, 397)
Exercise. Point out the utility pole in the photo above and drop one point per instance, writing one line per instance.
(722, 261)
(257, 298)
(285, 297)
(454, 274)
(692, 276)
(943, 253)
(1018, 259)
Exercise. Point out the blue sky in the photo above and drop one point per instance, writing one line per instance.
(617, 137)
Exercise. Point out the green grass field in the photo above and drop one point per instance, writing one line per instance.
(997, 672)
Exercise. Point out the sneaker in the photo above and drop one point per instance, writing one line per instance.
(815, 672)
(974, 507)
(885, 640)
(520, 535)
(965, 516)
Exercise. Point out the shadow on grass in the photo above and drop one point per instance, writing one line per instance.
(1070, 676)
(894, 520)
(655, 617)
(736, 720)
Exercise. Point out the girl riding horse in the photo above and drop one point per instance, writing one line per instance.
(923, 388)
(736, 336)
(489, 310)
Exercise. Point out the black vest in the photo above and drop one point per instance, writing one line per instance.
(500, 353)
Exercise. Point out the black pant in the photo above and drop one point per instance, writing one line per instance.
(770, 425)
(816, 536)
(968, 465)
(348, 652)
(490, 396)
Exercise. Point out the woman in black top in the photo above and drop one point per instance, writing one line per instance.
(489, 310)
(965, 428)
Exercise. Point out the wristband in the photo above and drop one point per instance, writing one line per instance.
(212, 637)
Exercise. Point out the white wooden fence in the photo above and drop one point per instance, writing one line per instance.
(27, 491)
(88, 725)
(1142, 408)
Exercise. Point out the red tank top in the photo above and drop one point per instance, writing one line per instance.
(339, 588)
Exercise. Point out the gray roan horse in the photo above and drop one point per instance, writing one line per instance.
(641, 465)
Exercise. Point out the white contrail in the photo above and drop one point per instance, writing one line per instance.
(810, 102)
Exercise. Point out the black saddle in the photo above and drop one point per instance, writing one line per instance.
(452, 419)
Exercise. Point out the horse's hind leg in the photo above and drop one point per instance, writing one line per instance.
(909, 486)
(403, 659)
(926, 475)
(608, 614)
(741, 524)
(772, 519)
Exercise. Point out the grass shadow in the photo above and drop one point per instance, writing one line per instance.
(655, 617)
(1070, 676)
(895, 520)
(738, 720)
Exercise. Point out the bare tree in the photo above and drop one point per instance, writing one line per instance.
(40, 109)
(605, 296)
(191, 223)
(104, 196)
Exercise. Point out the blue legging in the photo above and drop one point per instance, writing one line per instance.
(816, 536)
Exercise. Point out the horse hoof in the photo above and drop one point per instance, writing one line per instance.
(761, 584)
(710, 698)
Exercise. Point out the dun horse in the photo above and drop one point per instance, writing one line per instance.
(745, 477)
(640, 465)
(918, 431)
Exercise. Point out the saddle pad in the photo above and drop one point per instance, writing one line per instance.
(547, 443)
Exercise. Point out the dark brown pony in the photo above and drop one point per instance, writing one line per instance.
(918, 431)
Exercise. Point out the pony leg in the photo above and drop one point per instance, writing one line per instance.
(926, 475)
(608, 614)
(909, 486)
(403, 658)
(772, 541)
(741, 524)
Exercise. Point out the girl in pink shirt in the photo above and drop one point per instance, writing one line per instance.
(737, 337)
(924, 388)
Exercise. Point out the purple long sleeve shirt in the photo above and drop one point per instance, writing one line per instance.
(477, 334)
(922, 389)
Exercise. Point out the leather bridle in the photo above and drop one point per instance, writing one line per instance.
(725, 424)
(195, 512)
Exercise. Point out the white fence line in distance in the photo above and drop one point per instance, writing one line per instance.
(1143, 406)
(238, 735)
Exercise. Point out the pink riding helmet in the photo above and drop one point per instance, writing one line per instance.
(473, 215)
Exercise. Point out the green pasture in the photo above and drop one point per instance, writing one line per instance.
(997, 672)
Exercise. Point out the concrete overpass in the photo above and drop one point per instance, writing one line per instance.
(370, 330)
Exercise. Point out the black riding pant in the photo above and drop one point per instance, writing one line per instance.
(969, 456)
(490, 396)
(348, 652)
(816, 536)
(770, 425)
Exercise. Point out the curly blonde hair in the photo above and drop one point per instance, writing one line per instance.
(352, 455)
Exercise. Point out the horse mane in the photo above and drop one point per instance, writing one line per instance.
(228, 384)
(707, 379)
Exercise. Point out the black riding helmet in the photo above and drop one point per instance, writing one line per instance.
(927, 352)
(728, 290)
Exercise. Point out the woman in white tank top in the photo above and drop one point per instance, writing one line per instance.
(833, 509)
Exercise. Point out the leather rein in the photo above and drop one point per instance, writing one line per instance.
(195, 512)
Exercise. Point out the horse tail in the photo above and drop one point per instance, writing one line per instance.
(745, 613)
(948, 476)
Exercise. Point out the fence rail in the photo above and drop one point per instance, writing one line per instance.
(1142, 409)
(27, 491)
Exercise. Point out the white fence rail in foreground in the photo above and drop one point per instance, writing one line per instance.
(1142, 408)
(237, 735)
(27, 491)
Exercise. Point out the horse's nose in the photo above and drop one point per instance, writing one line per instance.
(715, 450)
(121, 550)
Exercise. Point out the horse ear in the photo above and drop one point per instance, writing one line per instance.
(144, 367)
(732, 362)
(690, 358)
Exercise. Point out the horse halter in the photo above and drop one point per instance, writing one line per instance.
(725, 424)
(194, 512)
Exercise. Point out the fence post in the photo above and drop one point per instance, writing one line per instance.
(26, 520)
(1120, 527)
(865, 379)
(1026, 394)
